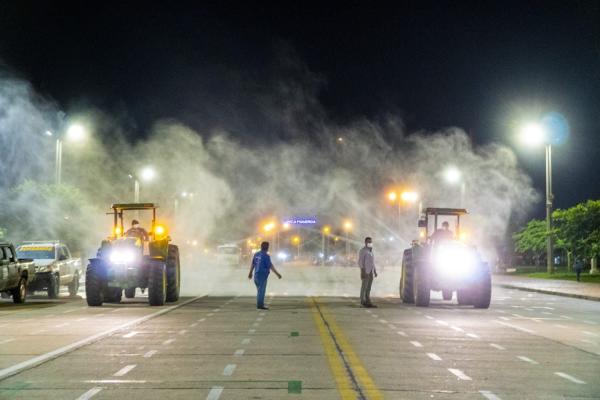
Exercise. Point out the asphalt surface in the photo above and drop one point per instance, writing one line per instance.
(214, 344)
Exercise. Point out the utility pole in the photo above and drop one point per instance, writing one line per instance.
(549, 200)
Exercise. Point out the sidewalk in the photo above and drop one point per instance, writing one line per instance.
(580, 290)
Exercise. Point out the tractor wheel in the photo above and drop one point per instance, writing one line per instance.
(130, 293)
(157, 284)
(482, 295)
(447, 294)
(53, 286)
(406, 278)
(464, 297)
(113, 295)
(20, 292)
(93, 285)
(421, 287)
(74, 285)
(173, 273)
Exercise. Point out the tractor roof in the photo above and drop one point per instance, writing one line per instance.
(134, 206)
(445, 211)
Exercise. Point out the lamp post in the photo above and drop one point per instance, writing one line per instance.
(325, 231)
(75, 133)
(146, 174)
(534, 134)
(406, 197)
(347, 229)
(453, 176)
(296, 241)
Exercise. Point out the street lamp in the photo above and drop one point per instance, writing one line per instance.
(406, 197)
(74, 133)
(453, 176)
(146, 174)
(347, 228)
(534, 134)
(325, 231)
(296, 241)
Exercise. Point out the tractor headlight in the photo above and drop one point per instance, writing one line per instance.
(455, 261)
(122, 257)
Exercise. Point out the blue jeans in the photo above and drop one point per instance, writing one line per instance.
(261, 288)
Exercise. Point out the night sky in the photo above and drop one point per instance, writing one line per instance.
(478, 66)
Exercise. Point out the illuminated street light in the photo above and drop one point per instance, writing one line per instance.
(406, 196)
(409, 197)
(325, 231)
(347, 228)
(452, 175)
(533, 134)
(147, 174)
(392, 196)
(74, 133)
(296, 241)
(268, 227)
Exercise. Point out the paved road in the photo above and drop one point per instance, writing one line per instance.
(527, 345)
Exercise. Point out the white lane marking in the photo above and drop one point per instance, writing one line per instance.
(117, 381)
(210, 314)
(262, 314)
(472, 335)
(6, 372)
(401, 333)
(589, 333)
(505, 318)
(434, 357)
(61, 325)
(527, 360)
(168, 341)
(202, 320)
(461, 375)
(391, 326)
(251, 331)
(444, 323)
(547, 313)
(489, 395)
(239, 352)
(125, 370)
(514, 326)
(90, 393)
(429, 317)
(69, 311)
(130, 334)
(565, 317)
(216, 310)
(182, 332)
(590, 322)
(150, 353)
(560, 326)
(228, 371)
(259, 319)
(369, 311)
(501, 311)
(570, 378)
(246, 341)
(588, 341)
(7, 340)
(117, 309)
(215, 393)
(497, 346)
(80, 319)
(415, 343)
(195, 324)
(383, 321)
(457, 329)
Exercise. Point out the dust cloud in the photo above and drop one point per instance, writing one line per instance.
(216, 186)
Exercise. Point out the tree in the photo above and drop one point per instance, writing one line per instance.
(531, 240)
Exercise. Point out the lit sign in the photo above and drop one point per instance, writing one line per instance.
(301, 221)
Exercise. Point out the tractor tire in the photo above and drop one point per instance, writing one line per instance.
(447, 294)
(464, 297)
(74, 285)
(173, 273)
(113, 295)
(93, 285)
(130, 293)
(421, 289)
(54, 286)
(157, 284)
(406, 278)
(482, 295)
(20, 292)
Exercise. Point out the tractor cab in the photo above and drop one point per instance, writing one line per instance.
(440, 224)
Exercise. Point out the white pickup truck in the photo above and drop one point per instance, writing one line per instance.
(54, 267)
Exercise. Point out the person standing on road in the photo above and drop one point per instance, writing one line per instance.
(366, 263)
(578, 267)
(262, 266)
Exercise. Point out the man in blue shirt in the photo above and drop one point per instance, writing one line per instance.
(262, 266)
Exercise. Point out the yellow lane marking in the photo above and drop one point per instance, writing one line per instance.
(367, 385)
(336, 365)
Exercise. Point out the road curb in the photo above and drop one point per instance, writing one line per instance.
(551, 292)
(41, 359)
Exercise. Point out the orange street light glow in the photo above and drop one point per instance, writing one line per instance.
(392, 196)
(409, 197)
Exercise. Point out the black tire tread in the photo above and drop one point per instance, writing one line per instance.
(93, 286)
(173, 273)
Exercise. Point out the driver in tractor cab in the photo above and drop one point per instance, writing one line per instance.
(442, 235)
(137, 231)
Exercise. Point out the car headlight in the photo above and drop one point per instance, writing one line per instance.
(42, 268)
(455, 261)
(282, 256)
(122, 256)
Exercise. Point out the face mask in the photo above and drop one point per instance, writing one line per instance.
(369, 245)
(136, 226)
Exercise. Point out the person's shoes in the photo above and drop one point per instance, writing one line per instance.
(371, 305)
(262, 308)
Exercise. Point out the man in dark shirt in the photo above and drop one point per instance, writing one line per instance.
(137, 231)
(442, 235)
(262, 266)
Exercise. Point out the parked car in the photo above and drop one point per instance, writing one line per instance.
(15, 273)
(229, 254)
(54, 267)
